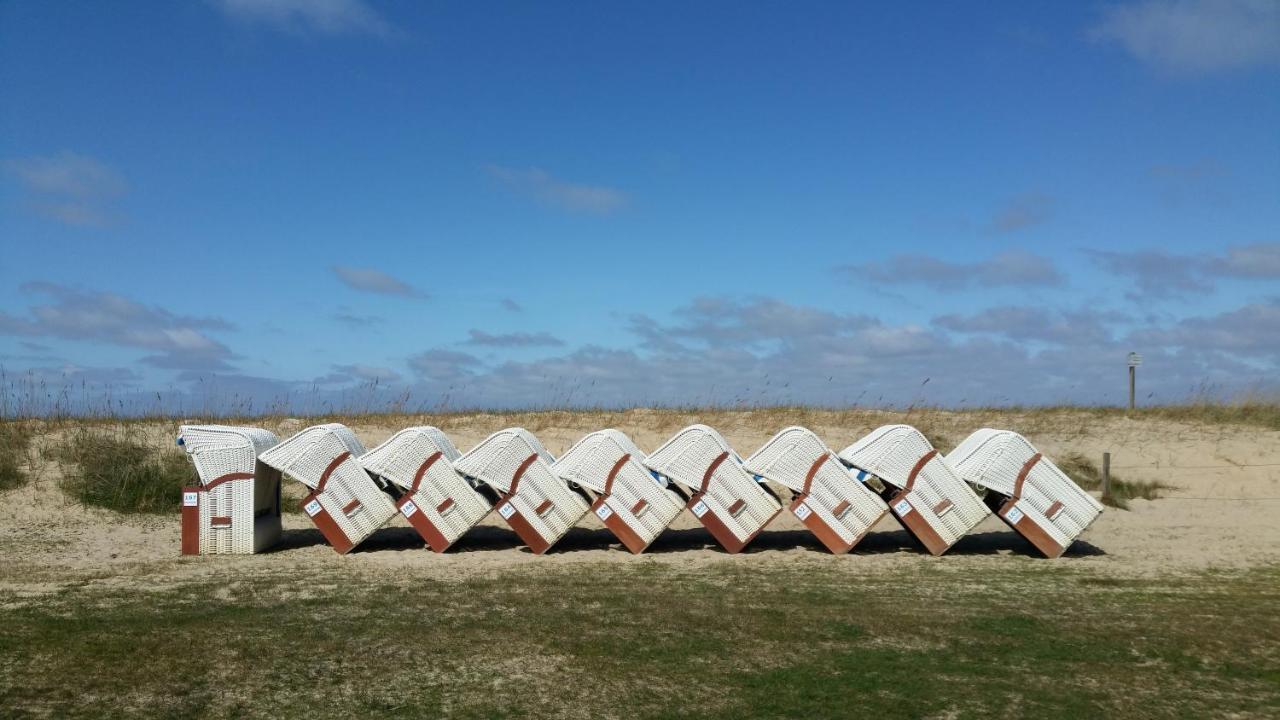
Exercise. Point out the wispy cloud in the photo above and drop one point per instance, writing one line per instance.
(511, 305)
(374, 281)
(70, 188)
(180, 342)
(320, 17)
(1023, 212)
(515, 339)
(367, 373)
(1157, 274)
(1012, 268)
(1195, 36)
(574, 197)
(444, 366)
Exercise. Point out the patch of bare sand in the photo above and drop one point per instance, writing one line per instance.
(1221, 515)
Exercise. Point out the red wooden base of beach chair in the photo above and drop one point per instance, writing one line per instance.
(419, 521)
(719, 530)
(1021, 522)
(191, 499)
(327, 526)
(821, 530)
(916, 525)
(620, 529)
(524, 530)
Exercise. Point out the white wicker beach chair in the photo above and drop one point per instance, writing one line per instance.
(438, 502)
(1025, 489)
(534, 501)
(927, 495)
(732, 505)
(345, 503)
(236, 507)
(631, 502)
(837, 507)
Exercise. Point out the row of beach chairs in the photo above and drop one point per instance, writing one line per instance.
(443, 493)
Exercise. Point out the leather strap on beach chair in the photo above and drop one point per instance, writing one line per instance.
(641, 504)
(1022, 475)
(915, 471)
(706, 477)
(422, 470)
(333, 465)
(546, 505)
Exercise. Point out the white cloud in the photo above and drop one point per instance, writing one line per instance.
(1012, 268)
(1195, 36)
(575, 197)
(180, 342)
(1023, 212)
(515, 339)
(68, 187)
(322, 17)
(374, 281)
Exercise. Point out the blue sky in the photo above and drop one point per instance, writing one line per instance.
(490, 204)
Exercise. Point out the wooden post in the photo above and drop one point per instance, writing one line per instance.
(1106, 474)
(1133, 373)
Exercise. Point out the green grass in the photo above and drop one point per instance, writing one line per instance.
(15, 457)
(110, 468)
(645, 640)
(1087, 475)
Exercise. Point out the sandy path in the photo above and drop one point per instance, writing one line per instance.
(1222, 514)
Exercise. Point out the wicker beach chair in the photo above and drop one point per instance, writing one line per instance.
(533, 500)
(837, 507)
(630, 501)
(1025, 489)
(732, 505)
(921, 488)
(236, 507)
(345, 503)
(437, 501)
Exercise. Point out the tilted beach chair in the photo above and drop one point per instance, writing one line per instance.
(438, 502)
(732, 505)
(236, 507)
(631, 502)
(836, 507)
(922, 490)
(1025, 489)
(533, 500)
(345, 503)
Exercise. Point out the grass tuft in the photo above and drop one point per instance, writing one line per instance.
(15, 448)
(1087, 475)
(120, 473)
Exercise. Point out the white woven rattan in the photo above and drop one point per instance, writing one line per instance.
(685, 459)
(589, 462)
(306, 456)
(400, 459)
(495, 462)
(787, 459)
(890, 452)
(994, 458)
(252, 503)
